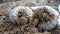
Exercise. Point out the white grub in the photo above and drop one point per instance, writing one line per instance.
(14, 13)
(47, 26)
(50, 24)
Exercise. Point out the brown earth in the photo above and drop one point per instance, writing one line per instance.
(6, 27)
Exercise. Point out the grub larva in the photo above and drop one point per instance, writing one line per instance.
(46, 26)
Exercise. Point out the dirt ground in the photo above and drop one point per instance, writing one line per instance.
(6, 27)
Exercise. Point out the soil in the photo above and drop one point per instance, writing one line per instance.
(23, 26)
